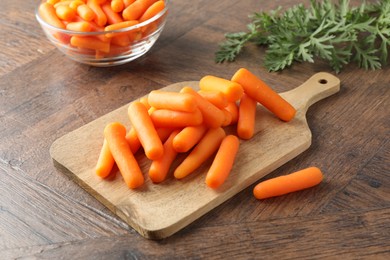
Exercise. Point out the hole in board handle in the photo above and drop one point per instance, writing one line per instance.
(322, 81)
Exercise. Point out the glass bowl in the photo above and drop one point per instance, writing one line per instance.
(107, 48)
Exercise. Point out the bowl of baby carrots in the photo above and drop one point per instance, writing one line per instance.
(103, 33)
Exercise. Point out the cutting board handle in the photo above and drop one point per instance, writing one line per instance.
(317, 87)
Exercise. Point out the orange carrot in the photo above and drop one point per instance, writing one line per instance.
(146, 132)
(281, 185)
(135, 10)
(233, 110)
(217, 98)
(188, 138)
(212, 116)
(89, 42)
(144, 100)
(66, 13)
(120, 40)
(134, 142)
(232, 90)
(154, 9)
(263, 94)
(228, 118)
(202, 151)
(124, 158)
(79, 27)
(100, 18)
(223, 162)
(128, 2)
(105, 161)
(172, 101)
(48, 13)
(52, 2)
(159, 168)
(76, 3)
(246, 117)
(85, 12)
(173, 118)
(112, 17)
(117, 5)
(119, 26)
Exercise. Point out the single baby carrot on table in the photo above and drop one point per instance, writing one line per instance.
(263, 94)
(105, 161)
(246, 117)
(135, 10)
(159, 168)
(172, 100)
(172, 118)
(223, 162)
(202, 151)
(212, 116)
(232, 90)
(188, 137)
(281, 185)
(146, 132)
(124, 158)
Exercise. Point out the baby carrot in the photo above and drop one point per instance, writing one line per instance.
(188, 137)
(128, 2)
(223, 162)
(281, 185)
(212, 116)
(172, 100)
(48, 13)
(263, 94)
(75, 3)
(134, 142)
(85, 12)
(79, 26)
(64, 12)
(144, 100)
(232, 90)
(124, 158)
(233, 110)
(246, 117)
(152, 10)
(117, 5)
(159, 168)
(217, 98)
(173, 118)
(145, 130)
(135, 10)
(112, 17)
(228, 118)
(202, 151)
(100, 18)
(105, 161)
(89, 42)
(118, 26)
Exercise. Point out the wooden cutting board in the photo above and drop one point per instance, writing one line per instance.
(158, 210)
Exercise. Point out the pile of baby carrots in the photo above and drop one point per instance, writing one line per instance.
(192, 122)
(100, 16)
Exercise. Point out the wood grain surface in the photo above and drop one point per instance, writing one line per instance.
(43, 96)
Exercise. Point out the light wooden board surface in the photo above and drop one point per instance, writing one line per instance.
(159, 210)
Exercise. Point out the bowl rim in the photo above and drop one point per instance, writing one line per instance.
(136, 26)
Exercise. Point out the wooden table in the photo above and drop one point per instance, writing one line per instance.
(43, 96)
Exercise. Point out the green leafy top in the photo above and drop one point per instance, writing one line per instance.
(336, 33)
